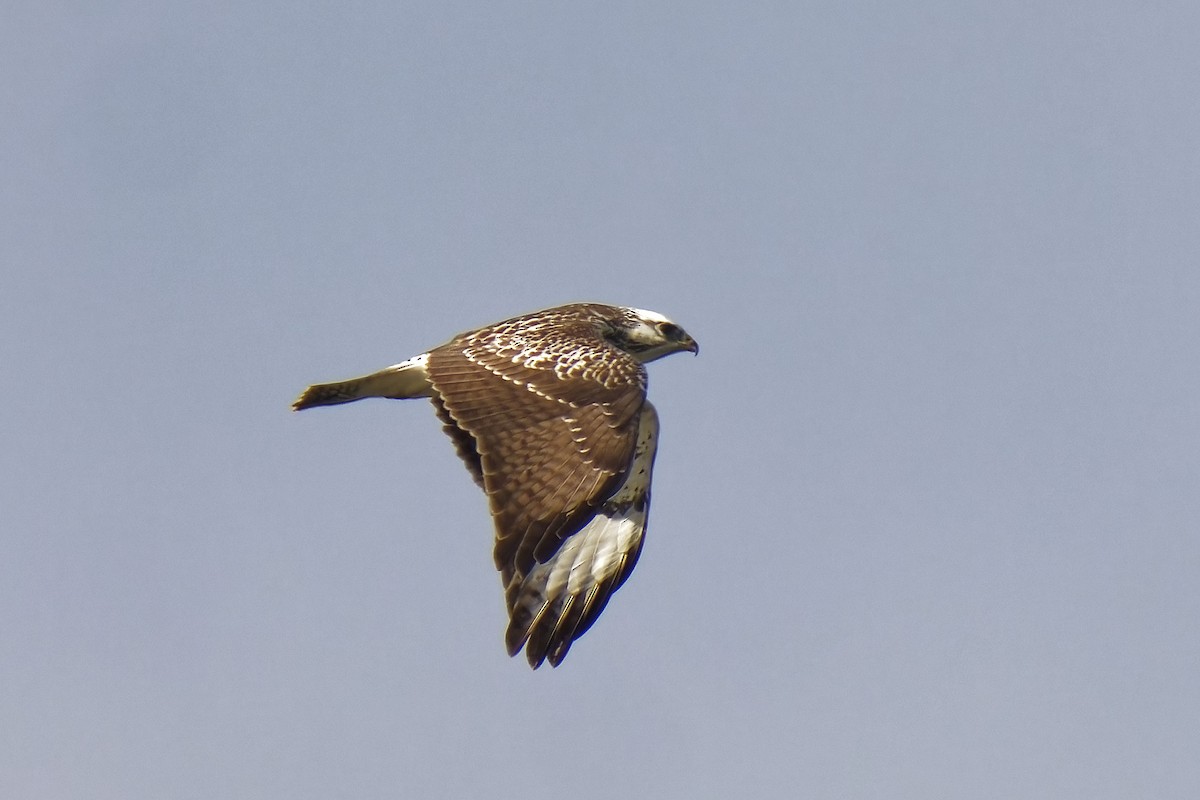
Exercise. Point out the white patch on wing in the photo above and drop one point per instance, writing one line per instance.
(594, 554)
(596, 558)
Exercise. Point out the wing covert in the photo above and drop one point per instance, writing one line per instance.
(553, 421)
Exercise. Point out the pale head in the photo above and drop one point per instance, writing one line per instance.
(647, 335)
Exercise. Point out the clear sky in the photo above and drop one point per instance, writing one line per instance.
(927, 507)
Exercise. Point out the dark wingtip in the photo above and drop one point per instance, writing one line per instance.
(516, 638)
(559, 653)
(536, 658)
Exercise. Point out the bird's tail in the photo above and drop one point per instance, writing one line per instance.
(399, 381)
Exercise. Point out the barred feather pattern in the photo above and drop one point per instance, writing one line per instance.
(549, 413)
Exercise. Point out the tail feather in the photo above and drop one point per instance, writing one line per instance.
(399, 381)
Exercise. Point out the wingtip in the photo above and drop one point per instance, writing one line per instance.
(516, 640)
(535, 660)
(556, 656)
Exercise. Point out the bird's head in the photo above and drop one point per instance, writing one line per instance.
(647, 335)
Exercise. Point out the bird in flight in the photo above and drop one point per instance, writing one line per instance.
(549, 413)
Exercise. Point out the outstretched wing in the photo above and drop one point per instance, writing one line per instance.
(552, 411)
(557, 601)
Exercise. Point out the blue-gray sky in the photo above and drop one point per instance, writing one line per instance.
(926, 513)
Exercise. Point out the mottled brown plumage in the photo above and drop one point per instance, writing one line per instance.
(549, 412)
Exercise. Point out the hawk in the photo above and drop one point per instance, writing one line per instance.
(549, 413)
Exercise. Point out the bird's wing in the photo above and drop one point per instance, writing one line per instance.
(557, 601)
(552, 412)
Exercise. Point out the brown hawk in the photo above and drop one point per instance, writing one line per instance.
(549, 412)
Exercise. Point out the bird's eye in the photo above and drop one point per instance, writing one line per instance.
(669, 330)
